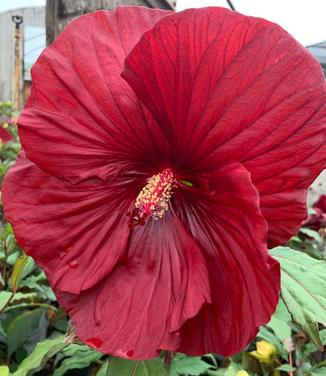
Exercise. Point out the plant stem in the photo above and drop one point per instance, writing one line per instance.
(4, 272)
(168, 357)
(291, 363)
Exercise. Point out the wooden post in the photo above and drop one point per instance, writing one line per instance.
(60, 12)
(17, 82)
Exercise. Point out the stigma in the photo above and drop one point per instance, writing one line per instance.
(153, 200)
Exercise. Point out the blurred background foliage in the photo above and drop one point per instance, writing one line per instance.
(33, 339)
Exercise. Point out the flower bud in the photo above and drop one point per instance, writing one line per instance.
(265, 353)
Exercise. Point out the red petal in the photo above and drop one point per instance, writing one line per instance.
(76, 232)
(199, 293)
(245, 280)
(140, 307)
(228, 87)
(81, 116)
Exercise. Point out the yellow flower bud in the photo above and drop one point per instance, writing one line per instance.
(265, 353)
(242, 373)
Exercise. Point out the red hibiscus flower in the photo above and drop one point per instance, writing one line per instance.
(162, 152)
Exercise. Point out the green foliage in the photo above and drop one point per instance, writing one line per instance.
(42, 352)
(76, 357)
(33, 326)
(303, 289)
(22, 328)
(280, 322)
(188, 365)
(17, 272)
(150, 367)
(286, 368)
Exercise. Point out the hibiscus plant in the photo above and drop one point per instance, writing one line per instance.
(152, 218)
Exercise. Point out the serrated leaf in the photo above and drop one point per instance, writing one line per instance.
(17, 271)
(21, 328)
(4, 371)
(303, 289)
(42, 352)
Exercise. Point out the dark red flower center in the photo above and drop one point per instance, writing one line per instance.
(153, 199)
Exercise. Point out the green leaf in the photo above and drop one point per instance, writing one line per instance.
(303, 289)
(4, 371)
(286, 368)
(39, 284)
(2, 331)
(42, 352)
(78, 356)
(29, 268)
(318, 371)
(311, 233)
(22, 327)
(4, 298)
(13, 257)
(124, 367)
(155, 366)
(189, 365)
(103, 370)
(322, 363)
(18, 297)
(17, 272)
(322, 335)
(280, 322)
